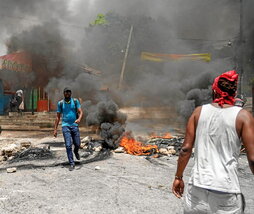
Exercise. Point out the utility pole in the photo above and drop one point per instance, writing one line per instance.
(125, 59)
(240, 58)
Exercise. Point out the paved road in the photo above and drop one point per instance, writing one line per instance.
(124, 184)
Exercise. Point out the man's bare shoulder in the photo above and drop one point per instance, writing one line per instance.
(195, 115)
(244, 116)
(197, 111)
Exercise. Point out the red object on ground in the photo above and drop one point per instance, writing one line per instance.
(42, 105)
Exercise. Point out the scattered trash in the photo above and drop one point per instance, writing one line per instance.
(98, 148)
(167, 151)
(86, 139)
(11, 158)
(97, 168)
(91, 145)
(120, 149)
(85, 142)
(25, 144)
(11, 170)
(167, 146)
(161, 186)
(3, 158)
(10, 150)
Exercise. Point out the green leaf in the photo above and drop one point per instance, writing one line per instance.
(100, 20)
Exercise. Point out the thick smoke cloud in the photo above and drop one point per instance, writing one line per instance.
(59, 33)
(165, 31)
(19, 15)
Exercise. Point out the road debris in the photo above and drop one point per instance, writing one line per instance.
(120, 149)
(11, 170)
(33, 154)
(97, 168)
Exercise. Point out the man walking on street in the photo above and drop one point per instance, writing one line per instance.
(216, 130)
(71, 117)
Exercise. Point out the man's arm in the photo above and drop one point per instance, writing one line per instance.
(80, 113)
(247, 134)
(56, 123)
(185, 153)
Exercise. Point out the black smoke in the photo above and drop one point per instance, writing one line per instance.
(108, 118)
(62, 41)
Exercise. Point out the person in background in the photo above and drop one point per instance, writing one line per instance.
(16, 101)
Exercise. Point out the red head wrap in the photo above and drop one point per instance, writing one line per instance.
(224, 98)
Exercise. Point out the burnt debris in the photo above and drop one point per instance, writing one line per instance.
(32, 154)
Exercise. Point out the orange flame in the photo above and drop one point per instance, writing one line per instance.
(166, 136)
(134, 147)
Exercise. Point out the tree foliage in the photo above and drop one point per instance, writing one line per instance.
(106, 41)
(100, 20)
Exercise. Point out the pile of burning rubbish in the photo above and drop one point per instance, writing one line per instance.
(110, 123)
(162, 145)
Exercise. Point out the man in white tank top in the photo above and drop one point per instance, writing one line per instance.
(215, 130)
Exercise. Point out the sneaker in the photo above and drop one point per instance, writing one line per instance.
(72, 167)
(77, 155)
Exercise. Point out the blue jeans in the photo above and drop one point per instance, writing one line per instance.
(71, 135)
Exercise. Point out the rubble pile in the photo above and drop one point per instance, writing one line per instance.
(91, 145)
(94, 149)
(94, 145)
(23, 151)
(8, 152)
